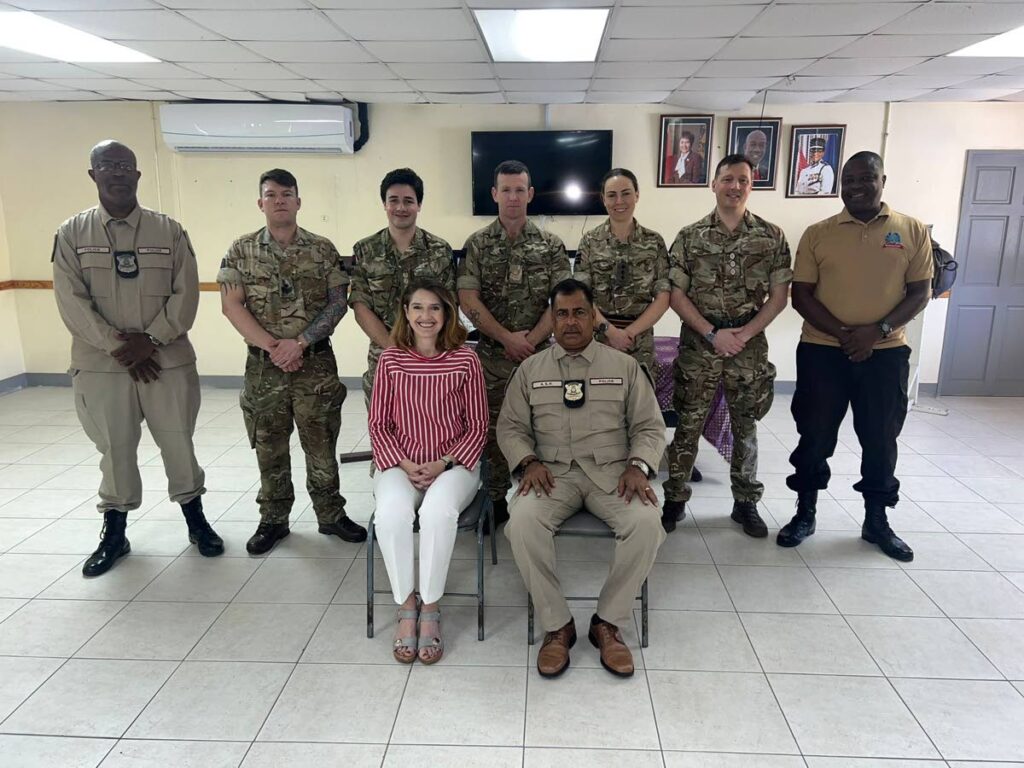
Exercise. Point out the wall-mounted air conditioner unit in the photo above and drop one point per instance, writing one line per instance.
(321, 128)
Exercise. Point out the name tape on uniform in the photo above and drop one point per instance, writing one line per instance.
(92, 249)
(613, 380)
(545, 384)
(150, 249)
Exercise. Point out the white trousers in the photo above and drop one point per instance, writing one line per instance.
(439, 507)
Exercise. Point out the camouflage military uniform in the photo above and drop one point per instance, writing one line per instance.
(625, 278)
(381, 274)
(514, 280)
(727, 276)
(285, 290)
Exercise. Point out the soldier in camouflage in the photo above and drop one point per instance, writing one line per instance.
(386, 262)
(730, 276)
(626, 265)
(283, 289)
(504, 280)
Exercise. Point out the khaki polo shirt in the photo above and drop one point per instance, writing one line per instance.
(96, 302)
(860, 270)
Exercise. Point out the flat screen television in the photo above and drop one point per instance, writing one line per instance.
(565, 168)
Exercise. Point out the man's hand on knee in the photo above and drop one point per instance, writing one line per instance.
(634, 483)
(536, 478)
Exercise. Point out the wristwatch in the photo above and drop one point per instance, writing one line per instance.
(641, 465)
(602, 328)
(886, 328)
(709, 337)
(449, 462)
(154, 341)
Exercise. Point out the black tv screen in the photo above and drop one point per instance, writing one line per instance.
(565, 168)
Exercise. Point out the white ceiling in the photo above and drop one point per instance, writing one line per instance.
(700, 54)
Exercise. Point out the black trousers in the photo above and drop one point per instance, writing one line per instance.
(826, 383)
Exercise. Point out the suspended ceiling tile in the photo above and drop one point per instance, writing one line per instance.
(850, 18)
(626, 97)
(240, 5)
(143, 95)
(409, 24)
(453, 50)
(221, 96)
(784, 47)
(711, 100)
(967, 18)
(316, 51)
(284, 96)
(881, 94)
(688, 49)
(26, 84)
(85, 5)
(698, 21)
(543, 71)
(502, 4)
(1019, 96)
(965, 65)
(464, 98)
(966, 94)
(154, 69)
(255, 84)
(796, 97)
(678, 69)
(994, 81)
(225, 70)
(807, 83)
(534, 85)
(445, 70)
(753, 67)
(550, 97)
(868, 66)
(193, 50)
(134, 25)
(342, 70)
(455, 86)
(46, 69)
(178, 84)
(268, 25)
(365, 86)
(922, 81)
(737, 84)
(57, 95)
(371, 97)
(909, 45)
(101, 84)
(667, 84)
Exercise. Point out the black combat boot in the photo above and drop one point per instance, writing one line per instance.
(695, 475)
(672, 512)
(876, 530)
(113, 544)
(802, 524)
(266, 536)
(199, 531)
(345, 528)
(745, 513)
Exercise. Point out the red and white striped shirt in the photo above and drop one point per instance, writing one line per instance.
(424, 408)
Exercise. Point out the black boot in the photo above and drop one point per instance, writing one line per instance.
(672, 512)
(500, 516)
(695, 475)
(745, 513)
(266, 536)
(199, 531)
(345, 528)
(802, 524)
(113, 544)
(876, 530)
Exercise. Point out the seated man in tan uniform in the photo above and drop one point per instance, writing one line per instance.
(581, 425)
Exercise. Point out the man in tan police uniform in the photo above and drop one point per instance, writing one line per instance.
(127, 287)
(582, 424)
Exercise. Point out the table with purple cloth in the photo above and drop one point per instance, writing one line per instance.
(717, 428)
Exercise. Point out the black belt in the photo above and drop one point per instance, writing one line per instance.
(620, 321)
(736, 322)
(321, 346)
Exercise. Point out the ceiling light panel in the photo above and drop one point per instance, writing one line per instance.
(41, 36)
(549, 34)
(1007, 44)
(134, 25)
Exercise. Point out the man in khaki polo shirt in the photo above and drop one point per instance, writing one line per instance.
(860, 276)
(127, 288)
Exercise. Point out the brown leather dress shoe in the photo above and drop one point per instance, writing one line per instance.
(615, 656)
(553, 657)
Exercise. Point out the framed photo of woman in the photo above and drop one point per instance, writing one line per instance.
(684, 148)
(815, 158)
(758, 139)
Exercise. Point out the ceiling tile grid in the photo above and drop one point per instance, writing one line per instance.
(696, 54)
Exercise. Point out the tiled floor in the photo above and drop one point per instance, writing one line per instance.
(827, 656)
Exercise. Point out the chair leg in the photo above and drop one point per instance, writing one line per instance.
(480, 582)
(494, 533)
(370, 530)
(529, 619)
(643, 615)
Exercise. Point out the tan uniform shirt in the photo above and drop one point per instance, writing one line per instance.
(620, 417)
(95, 302)
(860, 270)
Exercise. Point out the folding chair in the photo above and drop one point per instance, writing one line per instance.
(472, 518)
(587, 525)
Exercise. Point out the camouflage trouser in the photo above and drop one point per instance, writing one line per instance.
(372, 358)
(749, 383)
(311, 398)
(642, 351)
(497, 371)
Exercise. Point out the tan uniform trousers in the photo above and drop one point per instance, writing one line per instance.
(531, 530)
(111, 408)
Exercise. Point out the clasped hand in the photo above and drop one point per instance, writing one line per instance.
(620, 338)
(858, 341)
(137, 354)
(286, 354)
(518, 347)
(422, 475)
(729, 342)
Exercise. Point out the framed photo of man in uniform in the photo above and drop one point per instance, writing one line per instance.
(758, 139)
(815, 158)
(684, 150)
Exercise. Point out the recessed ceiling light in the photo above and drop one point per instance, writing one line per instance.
(545, 34)
(1009, 44)
(27, 32)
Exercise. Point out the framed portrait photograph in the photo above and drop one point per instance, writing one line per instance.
(683, 156)
(758, 139)
(815, 159)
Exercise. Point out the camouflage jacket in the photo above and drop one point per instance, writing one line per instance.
(380, 274)
(285, 289)
(625, 276)
(514, 279)
(729, 274)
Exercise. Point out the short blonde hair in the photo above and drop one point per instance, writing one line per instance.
(452, 335)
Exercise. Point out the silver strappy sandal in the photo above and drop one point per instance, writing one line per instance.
(433, 642)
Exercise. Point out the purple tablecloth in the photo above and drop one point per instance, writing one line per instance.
(717, 428)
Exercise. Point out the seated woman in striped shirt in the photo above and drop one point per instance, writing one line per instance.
(428, 426)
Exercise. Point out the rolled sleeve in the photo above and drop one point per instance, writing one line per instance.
(469, 268)
(358, 287)
(781, 271)
(561, 269)
(662, 281)
(678, 273)
(229, 273)
(336, 275)
(581, 267)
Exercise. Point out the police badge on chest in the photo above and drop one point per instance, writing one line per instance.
(574, 393)
(126, 263)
